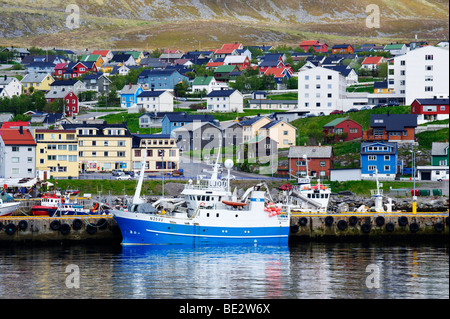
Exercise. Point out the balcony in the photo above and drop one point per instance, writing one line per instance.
(370, 135)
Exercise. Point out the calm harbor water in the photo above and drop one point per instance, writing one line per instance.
(304, 270)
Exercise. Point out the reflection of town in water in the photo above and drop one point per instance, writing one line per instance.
(307, 270)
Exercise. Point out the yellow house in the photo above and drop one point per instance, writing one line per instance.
(251, 127)
(102, 147)
(37, 81)
(382, 87)
(57, 153)
(163, 155)
(281, 132)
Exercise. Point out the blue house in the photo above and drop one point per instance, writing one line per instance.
(379, 155)
(129, 94)
(174, 121)
(161, 79)
(41, 67)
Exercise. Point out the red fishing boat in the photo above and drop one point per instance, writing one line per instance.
(48, 206)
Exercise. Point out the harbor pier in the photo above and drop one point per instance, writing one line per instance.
(373, 226)
(44, 229)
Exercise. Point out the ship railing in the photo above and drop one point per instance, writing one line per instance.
(375, 192)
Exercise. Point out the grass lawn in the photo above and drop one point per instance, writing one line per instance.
(426, 139)
(132, 120)
(285, 96)
(362, 188)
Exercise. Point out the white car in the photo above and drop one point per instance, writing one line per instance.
(443, 178)
(124, 177)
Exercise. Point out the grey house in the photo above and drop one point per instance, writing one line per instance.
(97, 82)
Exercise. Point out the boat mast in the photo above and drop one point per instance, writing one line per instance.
(137, 195)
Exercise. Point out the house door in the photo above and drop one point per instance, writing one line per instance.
(425, 176)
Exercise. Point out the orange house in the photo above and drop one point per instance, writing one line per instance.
(342, 49)
(391, 128)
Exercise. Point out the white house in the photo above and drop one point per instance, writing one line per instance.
(320, 90)
(10, 86)
(155, 101)
(225, 101)
(421, 73)
(207, 83)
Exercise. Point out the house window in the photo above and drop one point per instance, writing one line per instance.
(387, 157)
(403, 62)
(428, 89)
(322, 163)
(372, 168)
(428, 78)
(301, 163)
(353, 130)
(387, 168)
(429, 57)
(428, 68)
(15, 148)
(372, 157)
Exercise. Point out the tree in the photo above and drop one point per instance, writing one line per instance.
(39, 101)
(315, 134)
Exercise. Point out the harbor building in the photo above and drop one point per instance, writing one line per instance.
(56, 153)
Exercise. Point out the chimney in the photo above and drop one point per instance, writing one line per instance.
(21, 130)
(130, 85)
(6, 77)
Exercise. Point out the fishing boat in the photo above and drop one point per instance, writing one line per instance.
(48, 205)
(7, 206)
(204, 216)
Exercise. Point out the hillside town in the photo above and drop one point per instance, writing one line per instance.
(276, 111)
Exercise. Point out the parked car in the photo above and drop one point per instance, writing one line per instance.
(310, 115)
(131, 173)
(337, 112)
(117, 172)
(365, 107)
(352, 110)
(124, 177)
(393, 103)
(443, 178)
(178, 172)
(379, 105)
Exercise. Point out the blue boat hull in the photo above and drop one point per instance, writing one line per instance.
(143, 232)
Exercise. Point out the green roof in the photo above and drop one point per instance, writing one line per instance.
(202, 80)
(335, 122)
(90, 58)
(225, 68)
(394, 46)
(135, 54)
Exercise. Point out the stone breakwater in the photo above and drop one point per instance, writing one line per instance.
(350, 203)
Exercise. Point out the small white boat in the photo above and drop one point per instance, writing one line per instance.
(6, 209)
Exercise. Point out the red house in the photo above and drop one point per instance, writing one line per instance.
(343, 129)
(428, 110)
(316, 45)
(342, 49)
(315, 161)
(76, 69)
(70, 101)
(60, 69)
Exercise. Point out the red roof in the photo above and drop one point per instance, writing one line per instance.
(103, 53)
(373, 60)
(228, 48)
(276, 72)
(61, 66)
(214, 64)
(309, 42)
(7, 125)
(15, 137)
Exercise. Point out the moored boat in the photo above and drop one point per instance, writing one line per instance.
(204, 217)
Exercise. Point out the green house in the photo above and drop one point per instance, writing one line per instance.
(223, 72)
(439, 154)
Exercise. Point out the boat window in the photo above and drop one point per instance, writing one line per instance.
(207, 214)
(217, 215)
(203, 198)
(309, 195)
(198, 197)
(326, 195)
(207, 198)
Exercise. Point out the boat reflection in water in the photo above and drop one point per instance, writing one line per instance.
(232, 271)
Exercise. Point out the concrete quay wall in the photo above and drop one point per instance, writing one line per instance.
(358, 226)
(41, 229)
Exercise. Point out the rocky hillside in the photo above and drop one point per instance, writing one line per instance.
(208, 23)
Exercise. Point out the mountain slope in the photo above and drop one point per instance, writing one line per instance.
(207, 23)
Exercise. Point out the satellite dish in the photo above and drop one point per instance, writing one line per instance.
(229, 163)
